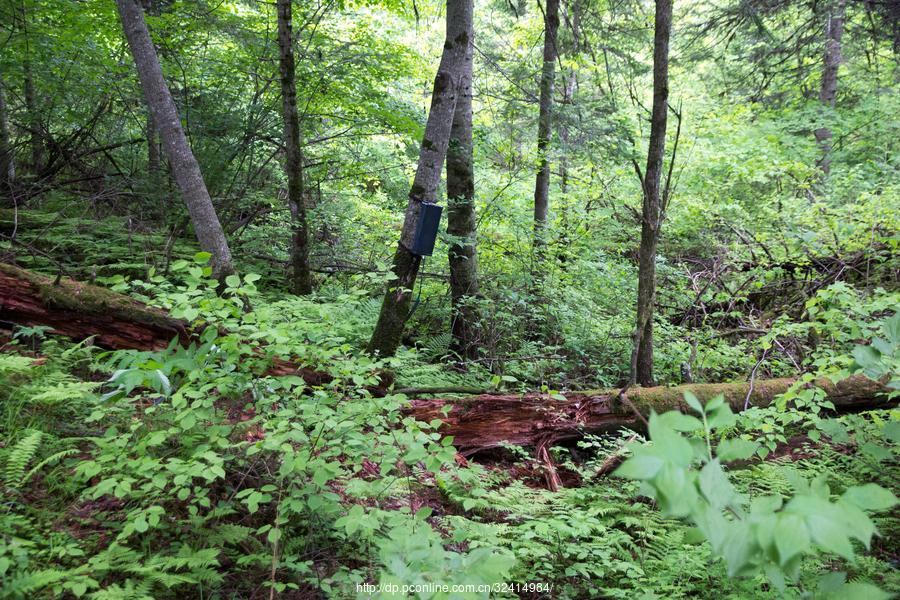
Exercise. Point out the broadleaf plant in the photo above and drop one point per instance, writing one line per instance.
(767, 534)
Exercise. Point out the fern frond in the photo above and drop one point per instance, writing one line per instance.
(19, 457)
(13, 364)
(436, 346)
(25, 585)
(49, 460)
(130, 591)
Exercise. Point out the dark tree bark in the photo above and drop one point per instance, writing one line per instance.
(181, 159)
(7, 158)
(834, 30)
(293, 163)
(542, 181)
(395, 307)
(35, 139)
(461, 216)
(651, 214)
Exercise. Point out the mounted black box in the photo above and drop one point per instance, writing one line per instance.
(426, 229)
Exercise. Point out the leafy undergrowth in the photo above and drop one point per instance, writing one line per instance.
(188, 473)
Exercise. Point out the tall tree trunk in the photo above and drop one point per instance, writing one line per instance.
(834, 30)
(293, 162)
(642, 354)
(181, 159)
(35, 141)
(433, 151)
(542, 181)
(7, 159)
(461, 216)
(153, 161)
(154, 164)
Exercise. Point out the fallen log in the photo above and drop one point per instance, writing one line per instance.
(80, 310)
(490, 420)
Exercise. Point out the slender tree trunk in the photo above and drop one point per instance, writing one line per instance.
(154, 164)
(153, 149)
(433, 151)
(293, 162)
(35, 143)
(834, 30)
(183, 163)
(542, 181)
(642, 354)
(7, 159)
(461, 216)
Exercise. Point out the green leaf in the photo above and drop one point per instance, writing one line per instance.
(735, 449)
(791, 537)
(720, 417)
(681, 422)
(141, 525)
(201, 258)
(858, 591)
(274, 535)
(826, 527)
(641, 466)
(834, 429)
(892, 431)
(715, 403)
(867, 357)
(668, 443)
(715, 485)
(693, 402)
(251, 277)
(233, 281)
(870, 497)
(892, 328)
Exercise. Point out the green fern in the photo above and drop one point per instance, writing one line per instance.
(18, 458)
(47, 461)
(436, 346)
(13, 364)
(27, 584)
(64, 391)
(129, 591)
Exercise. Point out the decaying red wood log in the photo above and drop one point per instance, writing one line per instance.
(487, 421)
(80, 310)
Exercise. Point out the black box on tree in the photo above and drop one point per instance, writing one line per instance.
(426, 229)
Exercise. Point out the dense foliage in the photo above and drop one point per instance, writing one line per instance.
(195, 471)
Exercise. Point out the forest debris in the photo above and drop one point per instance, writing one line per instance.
(492, 420)
(80, 310)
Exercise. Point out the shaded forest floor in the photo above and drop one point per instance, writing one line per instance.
(189, 470)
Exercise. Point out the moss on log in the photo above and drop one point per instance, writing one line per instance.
(487, 421)
(80, 310)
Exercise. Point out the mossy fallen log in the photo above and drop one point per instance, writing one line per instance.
(115, 321)
(487, 421)
(80, 310)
